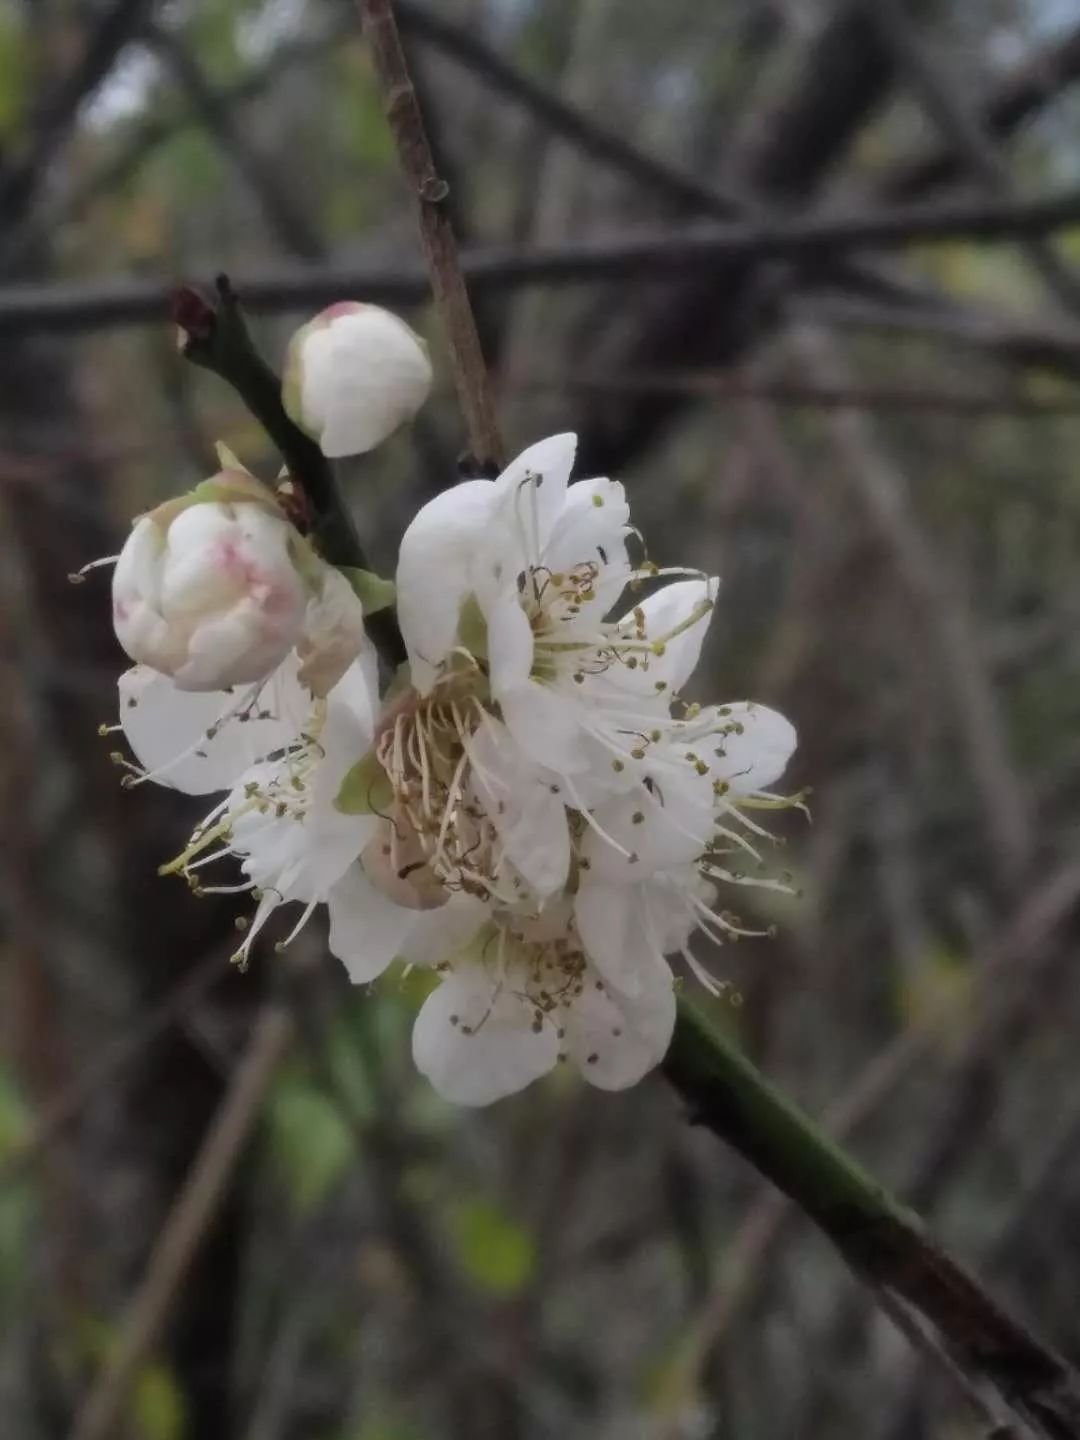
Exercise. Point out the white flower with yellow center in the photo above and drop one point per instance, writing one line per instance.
(526, 699)
(295, 846)
(655, 864)
(521, 994)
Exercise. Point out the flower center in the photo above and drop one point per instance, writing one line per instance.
(436, 821)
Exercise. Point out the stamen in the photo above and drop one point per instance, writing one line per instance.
(78, 576)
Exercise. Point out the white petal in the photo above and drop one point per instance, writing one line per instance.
(616, 931)
(162, 723)
(435, 573)
(532, 490)
(530, 819)
(615, 1040)
(346, 734)
(591, 527)
(755, 758)
(546, 725)
(667, 826)
(510, 644)
(666, 612)
(474, 1038)
(437, 935)
(366, 929)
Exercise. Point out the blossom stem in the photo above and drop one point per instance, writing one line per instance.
(217, 338)
(883, 1242)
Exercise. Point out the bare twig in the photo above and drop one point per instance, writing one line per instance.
(60, 110)
(652, 253)
(187, 1223)
(964, 134)
(924, 1343)
(287, 219)
(436, 234)
(143, 139)
(1015, 97)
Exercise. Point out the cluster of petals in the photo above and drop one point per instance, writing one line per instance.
(531, 813)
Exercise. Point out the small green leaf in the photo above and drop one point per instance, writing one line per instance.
(311, 1141)
(158, 1405)
(365, 789)
(495, 1250)
(373, 592)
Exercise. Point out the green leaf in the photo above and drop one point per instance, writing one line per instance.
(365, 789)
(16, 74)
(373, 592)
(157, 1403)
(495, 1250)
(311, 1142)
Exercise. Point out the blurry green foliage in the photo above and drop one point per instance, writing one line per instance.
(14, 75)
(310, 1142)
(15, 1200)
(158, 1405)
(157, 1410)
(494, 1249)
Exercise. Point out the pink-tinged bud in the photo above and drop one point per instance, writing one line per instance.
(353, 375)
(207, 592)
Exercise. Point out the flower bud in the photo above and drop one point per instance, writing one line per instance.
(353, 375)
(206, 589)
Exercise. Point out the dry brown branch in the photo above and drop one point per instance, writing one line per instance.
(429, 193)
(965, 135)
(701, 248)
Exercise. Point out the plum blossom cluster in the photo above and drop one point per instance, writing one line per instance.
(531, 812)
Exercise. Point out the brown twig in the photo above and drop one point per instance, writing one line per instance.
(650, 252)
(187, 1223)
(963, 132)
(1014, 98)
(436, 233)
(924, 1343)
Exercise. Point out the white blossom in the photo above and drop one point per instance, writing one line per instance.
(294, 845)
(522, 994)
(535, 812)
(353, 375)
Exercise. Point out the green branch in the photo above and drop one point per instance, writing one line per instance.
(884, 1243)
